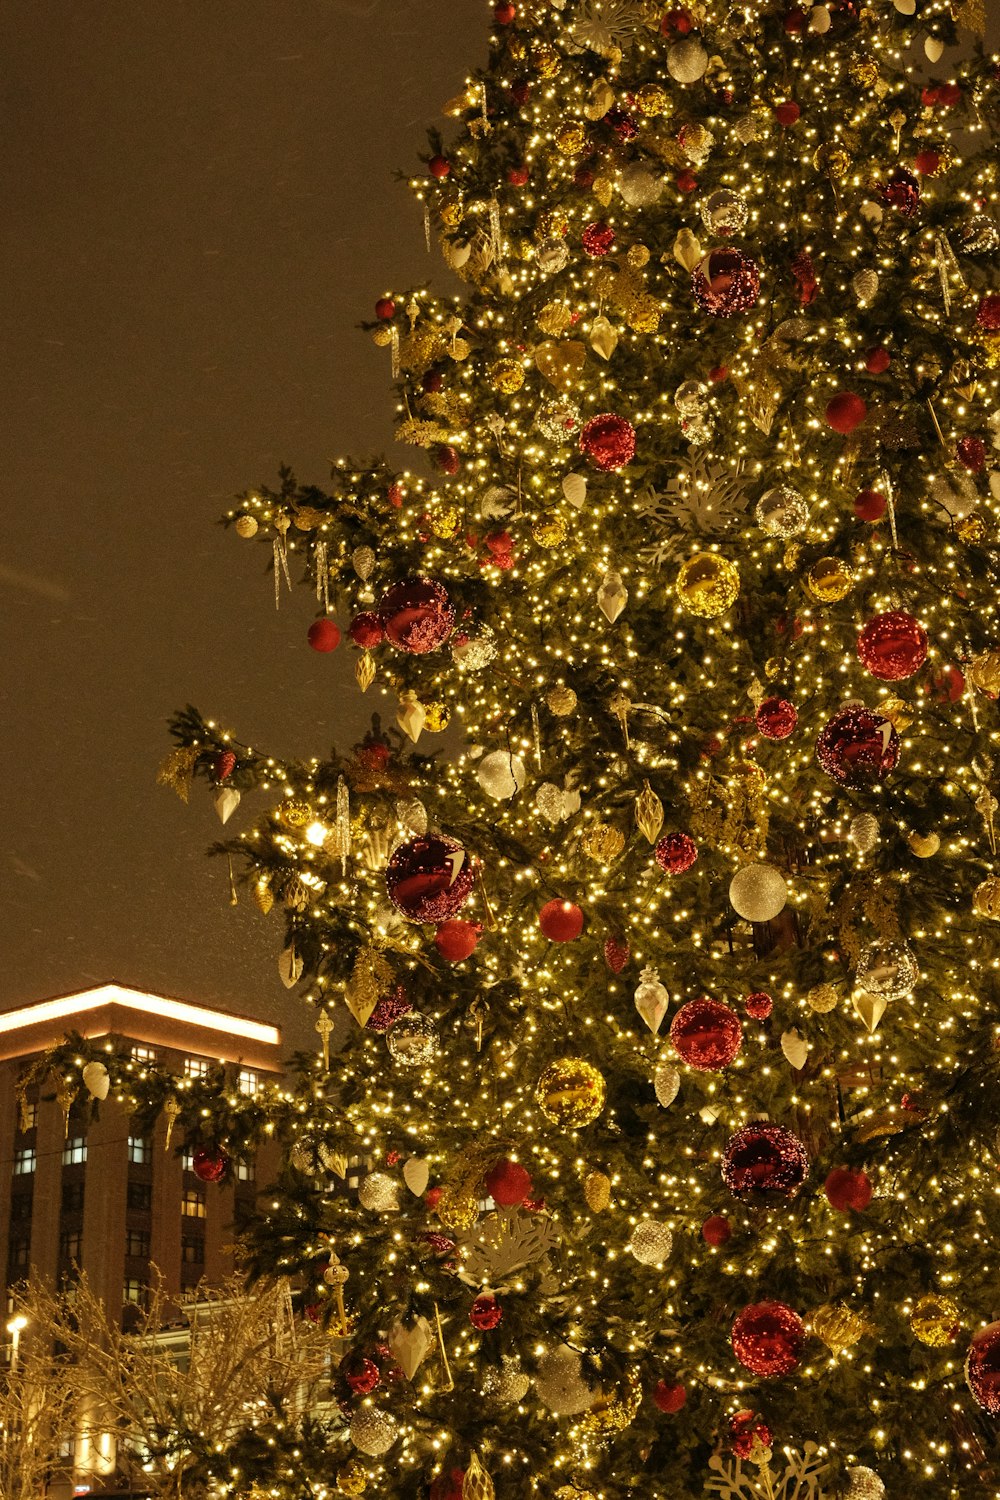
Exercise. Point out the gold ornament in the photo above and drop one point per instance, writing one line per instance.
(597, 1191)
(972, 528)
(263, 894)
(935, 1321)
(653, 100)
(986, 898)
(602, 842)
(549, 531)
(864, 71)
(838, 1326)
(551, 223)
(561, 701)
(983, 672)
(177, 770)
(643, 315)
(246, 527)
(649, 813)
(708, 584)
(545, 60)
(295, 813)
(773, 667)
(364, 671)
(437, 716)
(382, 336)
(897, 712)
(457, 1210)
(507, 376)
(829, 580)
(638, 256)
(614, 1412)
(924, 845)
(988, 345)
(477, 1484)
(571, 138)
(451, 214)
(570, 1092)
(560, 364)
(822, 998)
(352, 1478)
(446, 523)
(554, 318)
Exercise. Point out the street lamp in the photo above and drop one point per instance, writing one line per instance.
(15, 1328)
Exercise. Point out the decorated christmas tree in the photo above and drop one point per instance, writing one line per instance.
(655, 1148)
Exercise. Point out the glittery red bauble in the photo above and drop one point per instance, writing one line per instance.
(847, 1190)
(707, 1034)
(845, 412)
(768, 1338)
(667, 1397)
(209, 1165)
(759, 1005)
(597, 238)
(927, 162)
(857, 747)
(394, 495)
(982, 1368)
(508, 1183)
(687, 182)
(225, 764)
(608, 441)
(417, 615)
(449, 1486)
(324, 635)
(944, 95)
(787, 113)
(776, 718)
(869, 505)
(716, 1230)
(388, 1010)
(583, 177)
(971, 453)
(902, 191)
(366, 630)
(385, 309)
(988, 312)
(726, 282)
(503, 13)
(893, 646)
(747, 1432)
(678, 22)
(518, 176)
(561, 921)
(429, 878)
(445, 458)
(616, 955)
(675, 853)
(456, 940)
(622, 123)
(439, 166)
(764, 1158)
(363, 1376)
(485, 1313)
(878, 360)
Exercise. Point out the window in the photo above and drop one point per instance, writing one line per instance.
(188, 1160)
(29, 1117)
(140, 1197)
(140, 1150)
(70, 1244)
(74, 1151)
(246, 1171)
(24, 1161)
(137, 1243)
(67, 1448)
(193, 1204)
(20, 1207)
(248, 1081)
(19, 1255)
(195, 1067)
(192, 1250)
(144, 1054)
(72, 1197)
(135, 1291)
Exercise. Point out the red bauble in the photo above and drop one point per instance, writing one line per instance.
(716, 1230)
(687, 182)
(608, 441)
(508, 1183)
(445, 458)
(667, 1397)
(845, 412)
(878, 360)
(503, 13)
(759, 1005)
(362, 1376)
(846, 1190)
(748, 1433)
(449, 1486)
(457, 940)
(385, 309)
(776, 718)
(520, 91)
(583, 177)
(388, 1010)
(622, 123)
(439, 167)
(429, 878)
(893, 646)
(944, 95)
(718, 373)
(417, 615)
(869, 505)
(597, 239)
(787, 113)
(988, 312)
(675, 853)
(857, 747)
(949, 684)
(394, 495)
(209, 1165)
(366, 630)
(927, 162)
(982, 1368)
(616, 955)
(517, 176)
(767, 1339)
(725, 282)
(971, 452)
(225, 764)
(902, 192)
(795, 21)
(485, 1313)
(324, 634)
(561, 921)
(678, 22)
(762, 1158)
(707, 1034)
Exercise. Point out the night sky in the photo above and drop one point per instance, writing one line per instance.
(198, 207)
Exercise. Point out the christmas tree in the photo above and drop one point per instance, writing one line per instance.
(656, 1148)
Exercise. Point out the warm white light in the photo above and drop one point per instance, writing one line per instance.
(150, 1005)
(317, 835)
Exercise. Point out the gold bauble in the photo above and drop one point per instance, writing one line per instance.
(653, 100)
(246, 527)
(561, 701)
(551, 224)
(986, 898)
(295, 813)
(897, 712)
(603, 842)
(507, 376)
(571, 138)
(987, 348)
(822, 998)
(446, 523)
(545, 60)
(983, 672)
(554, 318)
(549, 531)
(773, 667)
(437, 716)
(838, 1327)
(451, 214)
(382, 336)
(935, 1321)
(352, 1479)
(597, 1191)
(972, 528)
(457, 1210)
(833, 160)
(924, 845)
(638, 256)
(829, 580)
(708, 584)
(570, 1092)
(864, 71)
(643, 315)
(615, 1410)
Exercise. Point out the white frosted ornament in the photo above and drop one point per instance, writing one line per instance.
(687, 60)
(863, 1484)
(411, 716)
(667, 1083)
(363, 562)
(864, 285)
(758, 892)
(651, 999)
(379, 1193)
(549, 799)
(864, 832)
(574, 487)
(688, 251)
(225, 801)
(416, 1175)
(501, 775)
(289, 967)
(888, 969)
(869, 1008)
(410, 1346)
(650, 1242)
(96, 1080)
(906, 7)
(795, 1047)
(872, 212)
(559, 1382)
(612, 596)
(639, 187)
(373, 1431)
(933, 49)
(508, 1384)
(603, 339)
(820, 20)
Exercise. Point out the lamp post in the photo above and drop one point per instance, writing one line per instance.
(15, 1328)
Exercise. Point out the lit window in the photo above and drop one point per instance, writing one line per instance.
(67, 1448)
(140, 1150)
(144, 1054)
(248, 1081)
(29, 1116)
(195, 1067)
(193, 1204)
(246, 1171)
(188, 1160)
(74, 1151)
(24, 1161)
(137, 1243)
(70, 1244)
(192, 1250)
(135, 1291)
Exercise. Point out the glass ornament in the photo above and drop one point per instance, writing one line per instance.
(650, 1242)
(413, 1041)
(571, 1092)
(829, 580)
(608, 441)
(724, 212)
(857, 747)
(768, 1338)
(893, 646)
(417, 615)
(935, 1321)
(687, 60)
(501, 774)
(986, 898)
(864, 832)
(667, 1083)
(559, 1382)
(758, 893)
(782, 511)
(726, 282)
(651, 999)
(429, 878)
(708, 584)
(888, 969)
(763, 1158)
(982, 1369)
(558, 420)
(776, 718)
(675, 853)
(707, 1034)
(863, 1484)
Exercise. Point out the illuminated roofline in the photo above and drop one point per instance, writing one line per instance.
(65, 1006)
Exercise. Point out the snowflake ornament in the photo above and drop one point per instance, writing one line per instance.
(802, 1477)
(703, 499)
(606, 26)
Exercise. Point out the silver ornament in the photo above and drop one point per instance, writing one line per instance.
(373, 1431)
(559, 1382)
(782, 511)
(475, 653)
(979, 235)
(863, 1484)
(558, 420)
(650, 1242)
(639, 187)
(864, 285)
(667, 1083)
(501, 775)
(379, 1193)
(508, 1384)
(864, 832)
(724, 212)
(412, 1041)
(687, 60)
(889, 970)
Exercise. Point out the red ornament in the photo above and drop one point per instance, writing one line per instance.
(687, 182)
(927, 162)
(597, 239)
(457, 940)
(209, 1165)
(485, 1313)
(417, 615)
(449, 1486)
(432, 1198)
(845, 412)
(363, 1376)
(971, 452)
(944, 95)
(439, 167)
(508, 1183)
(759, 1005)
(622, 124)
(616, 955)
(324, 634)
(902, 192)
(776, 718)
(869, 505)
(949, 684)
(893, 646)
(388, 1010)
(749, 1434)
(707, 1034)
(846, 1190)
(795, 21)
(394, 494)
(716, 1230)
(225, 764)
(385, 309)
(520, 91)
(608, 441)
(503, 13)
(982, 1369)
(517, 176)
(878, 360)
(763, 1158)
(787, 113)
(675, 853)
(678, 22)
(725, 282)
(373, 755)
(429, 878)
(445, 458)
(366, 630)
(718, 373)
(667, 1397)
(857, 747)
(805, 274)
(767, 1339)
(561, 921)
(988, 312)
